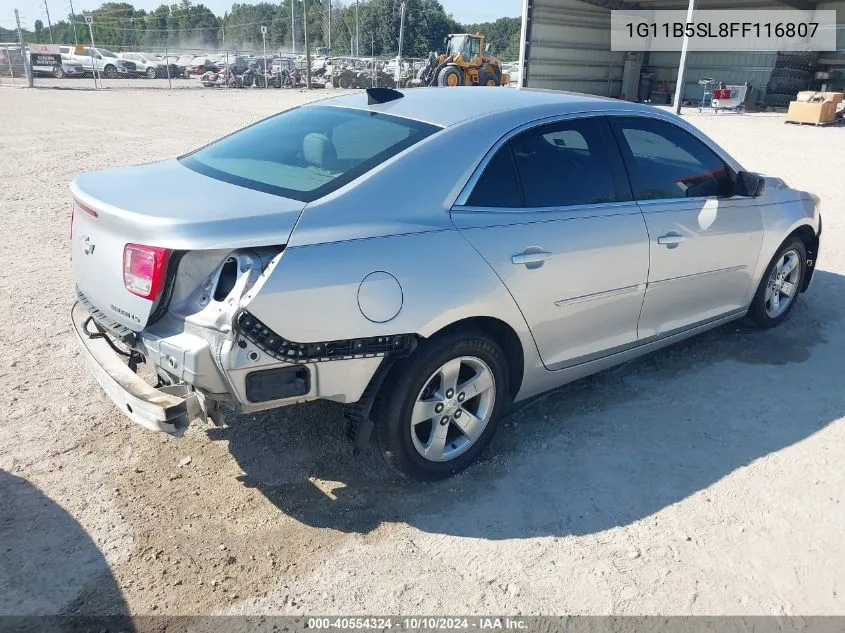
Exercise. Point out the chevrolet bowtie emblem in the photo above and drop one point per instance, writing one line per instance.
(87, 244)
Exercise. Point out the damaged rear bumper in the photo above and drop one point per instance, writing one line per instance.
(169, 409)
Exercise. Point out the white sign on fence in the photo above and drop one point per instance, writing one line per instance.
(44, 49)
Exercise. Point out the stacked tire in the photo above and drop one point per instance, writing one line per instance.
(793, 72)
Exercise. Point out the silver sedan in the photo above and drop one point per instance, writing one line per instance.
(426, 257)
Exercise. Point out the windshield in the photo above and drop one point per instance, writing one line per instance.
(469, 47)
(455, 43)
(307, 152)
(106, 53)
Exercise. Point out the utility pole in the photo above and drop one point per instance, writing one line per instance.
(73, 22)
(357, 30)
(682, 66)
(49, 24)
(264, 40)
(397, 73)
(89, 20)
(293, 26)
(307, 49)
(26, 67)
(330, 30)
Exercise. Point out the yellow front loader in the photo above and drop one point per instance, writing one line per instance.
(466, 62)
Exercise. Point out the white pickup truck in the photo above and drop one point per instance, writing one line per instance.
(101, 60)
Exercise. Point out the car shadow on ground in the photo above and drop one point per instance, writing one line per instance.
(49, 565)
(604, 451)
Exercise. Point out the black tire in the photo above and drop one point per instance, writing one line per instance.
(488, 79)
(450, 76)
(407, 380)
(345, 81)
(779, 100)
(151, 72)
(110, 71)
(260, 81)
(783, 88)
(798, 61)
(757, 314)
(58, 72)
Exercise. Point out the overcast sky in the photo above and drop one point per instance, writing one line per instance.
(464, 11)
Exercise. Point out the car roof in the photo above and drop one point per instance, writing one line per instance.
(449, 106)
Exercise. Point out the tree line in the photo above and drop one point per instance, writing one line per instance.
(186, 26)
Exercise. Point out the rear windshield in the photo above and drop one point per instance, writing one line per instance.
(307, 152)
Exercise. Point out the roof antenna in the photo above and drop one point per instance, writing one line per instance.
(382, 95)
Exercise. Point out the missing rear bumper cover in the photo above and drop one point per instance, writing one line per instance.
(255, 331)
(278, 383)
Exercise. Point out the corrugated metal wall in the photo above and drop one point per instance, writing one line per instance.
(569, 48)
(732, 68)
(836, 58)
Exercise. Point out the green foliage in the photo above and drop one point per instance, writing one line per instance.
(185, 25)
(503, 36)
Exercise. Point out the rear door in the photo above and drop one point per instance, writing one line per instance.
(551, 212)
(83, 57)
(704, 241)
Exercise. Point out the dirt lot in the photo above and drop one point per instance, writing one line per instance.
(705, 479)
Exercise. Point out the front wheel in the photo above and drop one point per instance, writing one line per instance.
(110, 71)
(58, 72)
(780, 286)
(440, 408)
(450, 76)
(151, 72)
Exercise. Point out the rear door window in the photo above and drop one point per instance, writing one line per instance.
(563, 164)
(665, 161)
(307, 152)
(498, 185)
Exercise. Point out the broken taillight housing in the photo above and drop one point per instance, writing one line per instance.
(144, 269)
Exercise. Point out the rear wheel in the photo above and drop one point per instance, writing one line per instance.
(450, 76)
(488, 79)
(440, 407)
(780, 286)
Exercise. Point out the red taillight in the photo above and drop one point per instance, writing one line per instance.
(144, 269)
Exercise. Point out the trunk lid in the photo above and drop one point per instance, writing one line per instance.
(165, 205)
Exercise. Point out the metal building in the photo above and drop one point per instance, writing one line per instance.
(566, 46)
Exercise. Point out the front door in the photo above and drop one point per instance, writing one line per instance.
(704, 241)
(552, 215)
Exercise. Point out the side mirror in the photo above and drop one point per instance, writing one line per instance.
(487, 48)
(749, 185)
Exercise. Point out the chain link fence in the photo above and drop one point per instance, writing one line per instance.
(87, 67)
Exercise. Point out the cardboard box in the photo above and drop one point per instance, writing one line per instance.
(817, 112)
(836, 97)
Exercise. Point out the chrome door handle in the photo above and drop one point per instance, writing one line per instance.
(671, 239)
(528, 258)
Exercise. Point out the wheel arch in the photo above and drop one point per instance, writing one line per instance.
(810, 239)
(504, 335)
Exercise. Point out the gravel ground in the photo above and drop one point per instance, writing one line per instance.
(705, 479)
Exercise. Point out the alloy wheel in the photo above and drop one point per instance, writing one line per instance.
(453, 408)
(782, 285)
